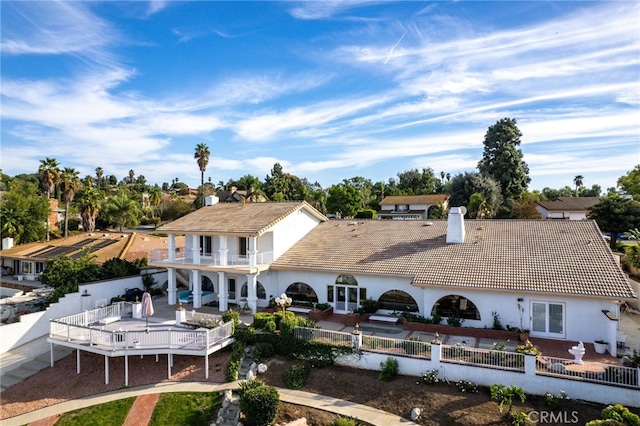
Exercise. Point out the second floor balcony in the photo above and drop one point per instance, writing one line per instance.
(186, 257)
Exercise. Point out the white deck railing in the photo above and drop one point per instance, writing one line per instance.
(501, 360)
(337, 338)
(414, 348)
(594, 372)
(186, 258)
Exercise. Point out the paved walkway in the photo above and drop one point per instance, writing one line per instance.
(334, 405)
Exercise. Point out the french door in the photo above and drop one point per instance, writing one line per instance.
(548, 319)
(346, 298)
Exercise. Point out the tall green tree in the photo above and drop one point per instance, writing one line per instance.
(202, 158)
(418, 182)
(121, 211)
(465, 185)
(23, 214)
(90, 202)
(99, 177)
(630, 183)
(49, 174)
(616, 215)
(69, 185)
(578, 182)
(344, 200)
(502, 159)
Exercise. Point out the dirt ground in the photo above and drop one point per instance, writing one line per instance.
(441, 403)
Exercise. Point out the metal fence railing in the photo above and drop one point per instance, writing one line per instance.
(337, 338)
(497, 359)
(414, 348)
(594, 372)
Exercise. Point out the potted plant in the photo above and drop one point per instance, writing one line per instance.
(246, 309)
(523, 334)
(600, 346)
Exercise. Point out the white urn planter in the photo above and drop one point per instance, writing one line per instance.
(600, 346)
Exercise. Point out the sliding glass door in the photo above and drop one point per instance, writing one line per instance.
(547, 319)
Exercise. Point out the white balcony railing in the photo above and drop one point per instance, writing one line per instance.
(185, 257)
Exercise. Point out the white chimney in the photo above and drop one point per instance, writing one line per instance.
(211, 200)
(455, 225)
(7, 243)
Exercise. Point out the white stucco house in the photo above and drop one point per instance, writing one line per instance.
(410, 207)
(557, 278)
(571, 208)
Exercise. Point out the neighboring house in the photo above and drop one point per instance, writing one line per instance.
(239, 196)
(557, 278)
(410, 207)
(27, 261)
(572, 208)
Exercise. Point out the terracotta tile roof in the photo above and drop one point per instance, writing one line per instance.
(561, 257)
(570, 203)
(249, 219)
(414, 199)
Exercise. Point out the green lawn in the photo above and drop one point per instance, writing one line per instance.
(108, 414)
(185, 409)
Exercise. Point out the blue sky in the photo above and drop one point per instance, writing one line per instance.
(330, 90)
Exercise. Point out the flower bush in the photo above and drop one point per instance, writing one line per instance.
(466, 386)
(555, 401)
(430, 377)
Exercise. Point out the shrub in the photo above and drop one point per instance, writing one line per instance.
(263, 351)
(323, 306)
(370, 306)
(260, 405)
(232, 316)
(388, 369)
(528, 349)
(497, 323)
(246, 385)
(503, 395)
(347, 421)
(233, 367)
(616, 415)
(247, 335)
(296, 376)
(430, 377)
(455, 321)
(270, 326)
(261, 319)
(467, 386)
(555, 401)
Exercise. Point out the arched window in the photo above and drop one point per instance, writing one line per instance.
(398, 300)
(261, 293)
(302, 292)
(454, 305)
(207, 284)
(346, 280)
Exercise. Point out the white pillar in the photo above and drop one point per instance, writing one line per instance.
(181, 314)
(223, 251)
(169, 366)
(206, 366)
(171, 288)
(223, 292)
(253, 252)
(78, 361)
(51, 353)
(195, 247)
(252, 299)
(106, 370)
(172, 248)
(126, 370)
(197, 288)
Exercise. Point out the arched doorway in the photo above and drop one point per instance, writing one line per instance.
(398, 300)
(454, 305)
(301, 292)
(207, 284)
(261, 293)
(345, 294)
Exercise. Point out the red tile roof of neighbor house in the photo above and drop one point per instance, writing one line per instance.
(244, 219)
(570, 203)
(414, 199)
(103, 245)
(558, 257)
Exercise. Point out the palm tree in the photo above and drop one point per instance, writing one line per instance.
(202, 158)
(155, 197)
(99, 175)
(70, 183)
(88, 181)
(578, 182)
(122, 210)
(132, 177)
(90, 207)
(49, 173)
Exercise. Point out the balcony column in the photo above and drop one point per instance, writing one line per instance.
(252, 252)
(223, 292)
(223, 251)
(252, 286)
(172, 248)
(195, 246)
(196, 288)
(171, 287)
